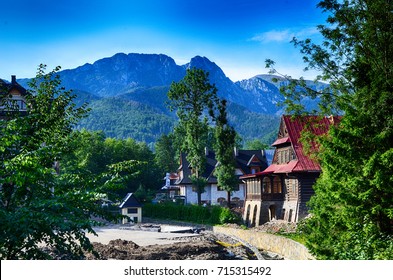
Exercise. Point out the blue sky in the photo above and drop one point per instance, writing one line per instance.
(238, 35)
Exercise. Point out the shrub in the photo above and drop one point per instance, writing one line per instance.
(190, 213)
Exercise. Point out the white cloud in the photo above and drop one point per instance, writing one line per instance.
(285, 35)
(273, 36)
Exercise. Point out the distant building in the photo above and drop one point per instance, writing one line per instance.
(170, 187)
(247, 161)
(131, 208)
(12, 98)
(282, 190)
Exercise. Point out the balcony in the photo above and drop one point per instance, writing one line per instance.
(272, 196)
(266, 197)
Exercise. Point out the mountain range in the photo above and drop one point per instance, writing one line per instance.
(127, 94)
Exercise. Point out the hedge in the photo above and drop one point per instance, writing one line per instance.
(190, 213)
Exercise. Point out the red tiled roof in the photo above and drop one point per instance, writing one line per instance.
(295, 126)
(281, 141)
(282, 168)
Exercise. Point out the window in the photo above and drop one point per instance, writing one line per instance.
(287, 156)
(132, 210)
(254, 170)
(266, 185)
(254, 186)
(293, 186)
(277, 188)
(280, 157)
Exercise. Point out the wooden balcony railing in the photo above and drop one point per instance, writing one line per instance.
(265, 196)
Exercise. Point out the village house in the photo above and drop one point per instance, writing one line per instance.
(170, 188)
(131, 208)
(282, 190)
(12, 97)
(247, 162)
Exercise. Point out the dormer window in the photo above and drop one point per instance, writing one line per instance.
(285, 155)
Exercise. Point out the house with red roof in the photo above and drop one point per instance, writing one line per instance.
(282, 190)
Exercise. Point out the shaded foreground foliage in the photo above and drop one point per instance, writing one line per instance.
(40, 205)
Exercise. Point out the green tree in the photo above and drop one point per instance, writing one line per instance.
(224, 148)
(352, 209)
(256, 144)
(93, 153)
(192, 97)
(39, 206)
(166, 155)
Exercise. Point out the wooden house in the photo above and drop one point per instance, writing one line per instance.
(131, 208)
(247, 161)
(12, 97)
(282, 190)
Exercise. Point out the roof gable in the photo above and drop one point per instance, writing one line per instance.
(254, 161)
(130, 201)
(294, 126)
(289, 134)
(13, 88)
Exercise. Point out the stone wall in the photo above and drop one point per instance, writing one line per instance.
(289, 249)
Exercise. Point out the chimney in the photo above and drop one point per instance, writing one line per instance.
(13, 79)
(236, 151)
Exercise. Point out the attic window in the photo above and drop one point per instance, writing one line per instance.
(284, 156)
(255, 170)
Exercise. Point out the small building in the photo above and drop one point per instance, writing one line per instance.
(131, 208)
(282, 190)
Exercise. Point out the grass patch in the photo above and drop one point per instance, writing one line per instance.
(295, 236)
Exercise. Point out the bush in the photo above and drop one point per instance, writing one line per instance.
(190, 213)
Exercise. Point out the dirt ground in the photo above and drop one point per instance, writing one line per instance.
(202, 247)
(156, 240)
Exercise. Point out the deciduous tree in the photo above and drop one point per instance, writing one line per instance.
(38, 206)
(193, 97)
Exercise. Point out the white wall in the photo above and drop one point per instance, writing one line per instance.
(215, 194)
(124, 211)
(211, 194)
